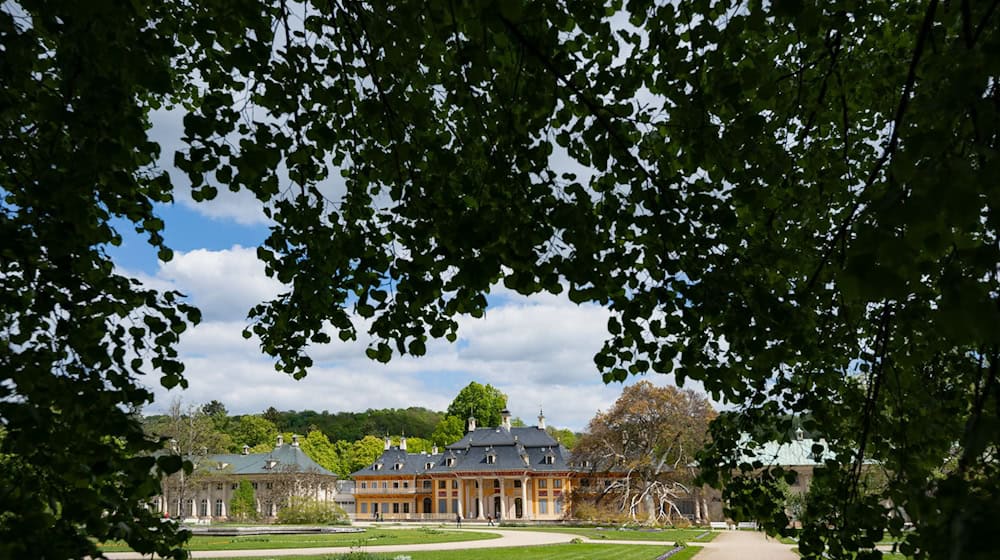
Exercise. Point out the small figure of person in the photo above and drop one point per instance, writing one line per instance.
(489, 519)
(458, 520)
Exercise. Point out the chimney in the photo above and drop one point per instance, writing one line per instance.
(472, 423)
(281, 440)
(402, 443)
(295, 440)
(246, 449)
(541, 420)
(505, 417)
(434, 450)
(799, 434)
(388, 442)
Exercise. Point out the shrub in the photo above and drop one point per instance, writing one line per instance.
(308, 510)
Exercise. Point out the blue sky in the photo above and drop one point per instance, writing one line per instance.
(538, 350)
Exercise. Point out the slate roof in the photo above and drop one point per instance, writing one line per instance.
(797, 452)
(521, 449)
(285, 458)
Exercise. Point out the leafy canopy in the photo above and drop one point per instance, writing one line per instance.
(791, 202)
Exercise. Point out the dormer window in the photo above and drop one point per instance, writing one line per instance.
(491, 459)
(450, 462)
(270, 464)
(549, 460)
(377, 467)
(428, 466)
(398, 466)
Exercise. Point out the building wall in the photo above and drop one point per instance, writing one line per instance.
(208, 497)
(538, 496)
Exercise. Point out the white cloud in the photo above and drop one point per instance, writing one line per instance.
(538, 350)
(223, 284)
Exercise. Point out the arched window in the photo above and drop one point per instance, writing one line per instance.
(218, 507)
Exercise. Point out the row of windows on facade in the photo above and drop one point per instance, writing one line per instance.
(443, 484)
(404, 507)
(188, 508)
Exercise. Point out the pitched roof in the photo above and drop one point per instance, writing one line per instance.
(284, 459)
(510, 448)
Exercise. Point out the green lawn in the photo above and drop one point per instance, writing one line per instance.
(612, 534)
(547, 552)
(368, 538)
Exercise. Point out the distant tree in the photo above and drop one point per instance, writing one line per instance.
(651, 434)
(214, 408)
(448, 431)
(243, 504)
(484, 402)
(564, 436)
(364, 452)
(274, 416)
(319, 448)
(517, 422)
(188, 431)
(253, 431)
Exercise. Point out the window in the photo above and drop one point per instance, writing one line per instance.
(428, 466)
(442, 485)
(269, 485)
(395, 507)
(188, 508)
(442, 506)
(557, 483)
(385, 484)
(557, 506)
(454, 484)
(454, 506)
(491, 459)
(406, 508)
(406, 484)
(517, 484)
(543, 506)
(542, 483)
(234, 485)
(364, 485)
(218, 486)
(254, 484)
(585, 482)
(364, 507)
(203, 508)
(428, 485)
(496, 483)
(218, 507)
(395, 484)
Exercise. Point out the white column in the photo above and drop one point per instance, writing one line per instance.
(482, 506)
(461, 497)
(503, 499)
(525, 512)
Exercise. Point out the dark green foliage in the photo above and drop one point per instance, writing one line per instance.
(484, 402)
(791, 202)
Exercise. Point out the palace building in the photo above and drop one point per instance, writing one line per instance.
(276, 477)
(502, 472)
